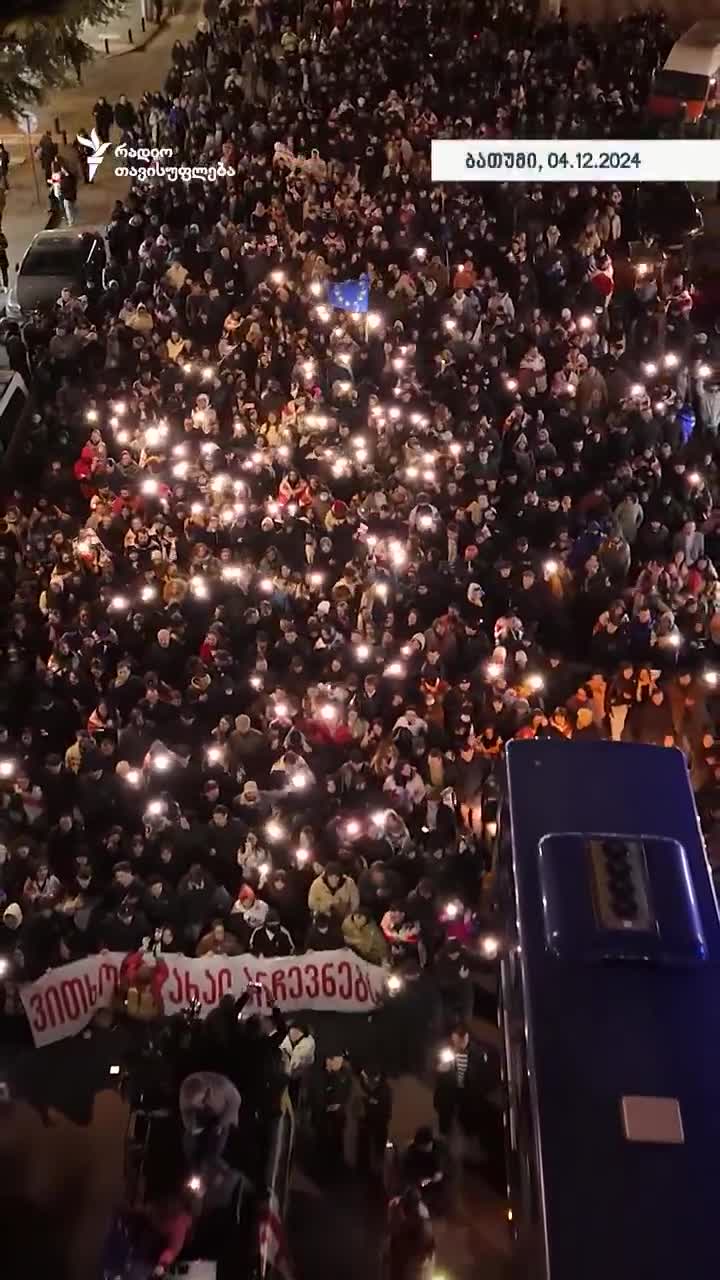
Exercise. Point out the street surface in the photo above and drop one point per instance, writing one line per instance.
(130, 70)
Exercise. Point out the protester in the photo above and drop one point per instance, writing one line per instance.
(339, 481)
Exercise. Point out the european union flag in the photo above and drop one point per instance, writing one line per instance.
(350, 295)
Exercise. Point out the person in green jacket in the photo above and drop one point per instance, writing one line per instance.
(364, 937)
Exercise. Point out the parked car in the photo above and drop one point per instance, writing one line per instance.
(53, 261)
(663, 211)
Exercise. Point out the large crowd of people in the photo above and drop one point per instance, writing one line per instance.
(293, 575)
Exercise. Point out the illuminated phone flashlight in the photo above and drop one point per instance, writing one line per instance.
(420, 252)
(490, 945)
(511, 384)
(316, 579)
(381, 589)
(273, 831)
(453, 910)
(7, 768)
(277, 277)
(133, 777)
(675, 640)
(156, 808)
(301, 856)
(641, 268)
(198, 587)
(150, 486)
(328, 711)
(694, 477)
(316, 288)
(291, 508)
(119, 407)
(161, 762)
(208, 372)
(323, 314)
(650, 369)
(256, 682)
(398, 555)
(449, 324)
(148, 593)
(670, 361)
(704, 371)
(456, 449)
(273, 508)
(551, 566)
(227, 515)
(280, 710)
(637, 389)
(214, 754)
(412, 473)
(446, 1056)
(119, 602)
(491, 830)
(195, 1185)
(394, 412)
(494, 670)
(535, 682)
(379, 817)
(362, 653)
(395, 669)
(115, 1069)
(91, 415)
(425, 522)
(83, 546)
(394, 984)
(352, 828)
(197, 509)
(585, 322)
(4, 966)
(152, 436)
(122, 437)
(374, 320)
(711, 678)
(299, 781)
(398, 364)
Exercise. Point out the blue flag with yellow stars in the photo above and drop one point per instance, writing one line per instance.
(350, 295)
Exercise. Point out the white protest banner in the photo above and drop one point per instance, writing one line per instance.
(64, 1000)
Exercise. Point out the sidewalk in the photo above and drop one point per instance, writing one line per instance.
(131, 71)
(127, 22)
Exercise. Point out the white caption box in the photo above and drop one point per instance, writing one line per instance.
(586, 160)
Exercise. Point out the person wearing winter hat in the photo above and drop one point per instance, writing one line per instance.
(271, 939)
(12, 917)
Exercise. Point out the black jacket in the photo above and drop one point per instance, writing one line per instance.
(269, 944)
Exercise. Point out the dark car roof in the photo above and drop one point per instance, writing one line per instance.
(668, 210)
(60, 249)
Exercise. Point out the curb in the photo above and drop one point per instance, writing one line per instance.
(134, 48)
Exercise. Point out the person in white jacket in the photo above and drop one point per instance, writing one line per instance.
(298, 1050)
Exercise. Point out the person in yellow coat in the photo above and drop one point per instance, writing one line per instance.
(333, 893)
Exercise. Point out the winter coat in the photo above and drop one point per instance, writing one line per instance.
(269, 943)
(299, 1057)
(323, 900)
(365, 939)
